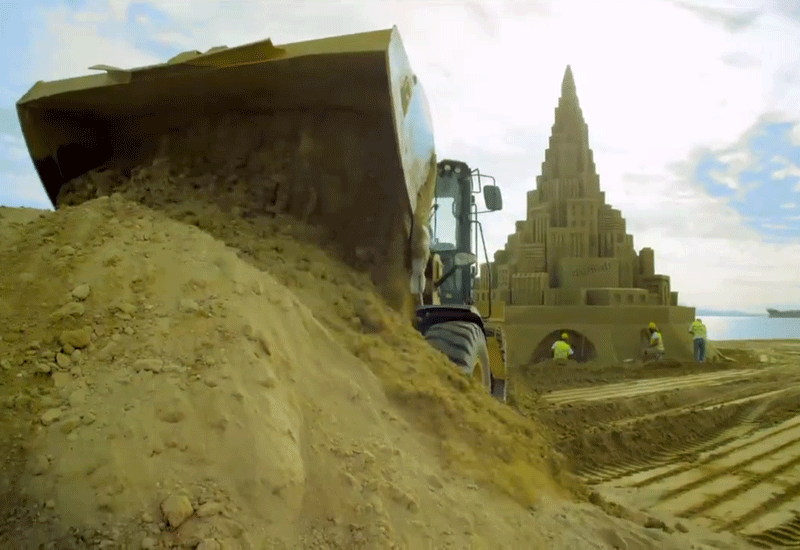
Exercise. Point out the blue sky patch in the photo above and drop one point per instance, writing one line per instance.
(147, 24)
(708, 166)
(766, 193)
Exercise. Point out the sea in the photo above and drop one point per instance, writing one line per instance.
(751, 328)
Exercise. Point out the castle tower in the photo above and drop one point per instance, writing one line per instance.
(573, 248)
(571, 261)
(571, 239)
(568, 189)
(568, 171)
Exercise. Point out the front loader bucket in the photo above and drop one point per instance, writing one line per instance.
(336, 131)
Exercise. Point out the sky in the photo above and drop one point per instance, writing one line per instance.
(693, 106)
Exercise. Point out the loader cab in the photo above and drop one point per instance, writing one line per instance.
(455, 229)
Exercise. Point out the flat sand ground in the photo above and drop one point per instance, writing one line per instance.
(712, 444)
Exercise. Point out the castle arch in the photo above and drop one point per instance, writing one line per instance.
(583, 347)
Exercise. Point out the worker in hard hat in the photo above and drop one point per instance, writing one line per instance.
(562, 350)
(698, 330)
(655, 349)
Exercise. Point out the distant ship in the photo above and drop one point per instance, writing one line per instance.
(791, 313)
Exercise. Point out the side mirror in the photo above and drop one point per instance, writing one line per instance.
(492, 197)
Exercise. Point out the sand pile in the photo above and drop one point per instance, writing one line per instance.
(162, 393)
(174, 380)
(213, 373)
(245, 181)
(336, 169)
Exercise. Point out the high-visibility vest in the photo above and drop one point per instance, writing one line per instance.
(699, 330)
(656, 339)
(561, 350)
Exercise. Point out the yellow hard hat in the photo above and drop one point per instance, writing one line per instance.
(653, 325)
(699, 320)
(564, 336)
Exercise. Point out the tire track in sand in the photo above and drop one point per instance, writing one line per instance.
(728, 431)
(750, 486)
(650, 385)
(786, 534)
(707, 453)
(734, 476)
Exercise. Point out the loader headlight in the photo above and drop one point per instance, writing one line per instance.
(447, 167)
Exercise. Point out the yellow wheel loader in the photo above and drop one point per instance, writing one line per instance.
(447, 318)
(335, 132)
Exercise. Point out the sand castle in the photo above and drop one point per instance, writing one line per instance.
(571, 266)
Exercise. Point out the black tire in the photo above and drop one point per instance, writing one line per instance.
(499, 387)
(465, 345)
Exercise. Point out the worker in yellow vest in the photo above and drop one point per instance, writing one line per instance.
(562, 350)
(698, 330)
(655, 350)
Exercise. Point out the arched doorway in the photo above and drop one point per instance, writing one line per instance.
(583, 347)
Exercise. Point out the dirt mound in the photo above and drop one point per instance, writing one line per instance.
(151, 378)
(245, 181)
(324, 168)
(780, 409)
(169, 391)
(162, 393)
(740, 355)
(549, 375)
(594, 435)
(161, 368)
(649, 439)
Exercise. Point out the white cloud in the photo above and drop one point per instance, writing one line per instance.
(22, 190)
(794, 135)
(14, 148)
(789, 169)
(789, 205)
(653, 94)
(726, 178)
(727, 273)
(85, 40)
(738, 158)
(175, 40)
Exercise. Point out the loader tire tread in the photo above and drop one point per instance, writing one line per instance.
(464, 343)
(499, 387)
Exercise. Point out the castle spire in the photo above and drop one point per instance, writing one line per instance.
(568, 159)
(568, 84)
